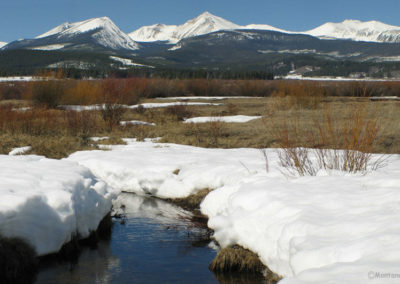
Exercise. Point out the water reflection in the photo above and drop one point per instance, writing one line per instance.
(153, 241)
(92, 266)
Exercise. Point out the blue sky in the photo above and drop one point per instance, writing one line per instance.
(29, 18)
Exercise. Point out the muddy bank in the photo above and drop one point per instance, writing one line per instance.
(192, 202)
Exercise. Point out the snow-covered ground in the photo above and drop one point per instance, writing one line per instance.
(229, 119)
(17, 78)
(47, 202)
(207, 98)
(334, 227)
(148, 168)
(300, 77)
(145, 105)
(331, 228)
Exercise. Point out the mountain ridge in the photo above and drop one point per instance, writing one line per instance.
(373, 31)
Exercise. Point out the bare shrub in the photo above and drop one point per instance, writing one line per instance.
(344, 146)
(48, 92)
(81, 124)
(112, 108)
(180, 112)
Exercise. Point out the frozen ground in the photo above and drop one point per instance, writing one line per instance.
(145, 105)
(334, 227)
(206, 98)
(46, 202)
(229, 119)
(17, 78)
(330, 228)
(170, 170)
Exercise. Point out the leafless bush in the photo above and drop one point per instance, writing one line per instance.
(345, 146)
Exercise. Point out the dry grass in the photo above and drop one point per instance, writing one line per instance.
(193, 201)
(238, 259)
(57, 133)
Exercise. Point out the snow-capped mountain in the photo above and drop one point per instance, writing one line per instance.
(373, 31)
(104, 32)
(203, 24)
(359, 31)
(93, 34)
(2, 44)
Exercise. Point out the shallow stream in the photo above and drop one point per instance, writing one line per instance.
(153, 242)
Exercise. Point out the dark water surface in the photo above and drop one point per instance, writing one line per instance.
(154, 242)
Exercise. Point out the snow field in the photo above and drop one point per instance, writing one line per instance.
(335, 227)
(332, 228)
(47, 202)
(148, 168)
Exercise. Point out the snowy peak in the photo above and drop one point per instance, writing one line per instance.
(157, 32)
(2, 44)
(56, 30)
(356, 30)
(206, 23)
(105, 33)
(203, 24)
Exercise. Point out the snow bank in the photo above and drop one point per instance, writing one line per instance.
(331, 228)
(148, 168)
(337, 228)
(229, 119)
(48, 201)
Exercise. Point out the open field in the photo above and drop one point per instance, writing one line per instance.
(293, 114)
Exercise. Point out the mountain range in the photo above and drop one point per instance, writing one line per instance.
(373, 31)
(209, 41)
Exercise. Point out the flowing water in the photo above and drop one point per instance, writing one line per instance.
(153, 242)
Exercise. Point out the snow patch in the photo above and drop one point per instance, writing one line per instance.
(136, 122)
(144, 105)
(206, 98)
(50, 47)
(128, 62)
(228, 119)
(19, 150)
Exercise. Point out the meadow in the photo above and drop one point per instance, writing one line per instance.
(336, 115)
